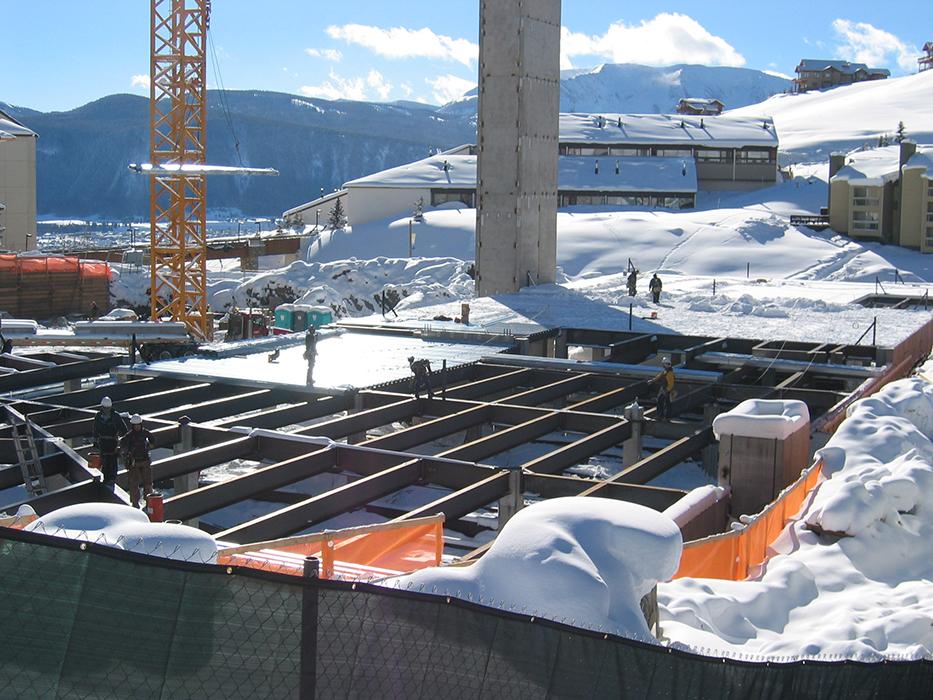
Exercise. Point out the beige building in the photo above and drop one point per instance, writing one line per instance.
(822, 74)
(17, 185)
(884, 194)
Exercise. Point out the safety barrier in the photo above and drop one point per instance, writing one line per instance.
(51, 265)
(732, 555)
(44, 286)
(86, 620)
(353, 554)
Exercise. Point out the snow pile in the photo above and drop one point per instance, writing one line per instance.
(763, 418)
(862, 588)
(120, 315)
(127, 528)
(349, 287)
(584, 562)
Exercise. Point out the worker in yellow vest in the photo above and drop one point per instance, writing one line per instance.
(665, 380)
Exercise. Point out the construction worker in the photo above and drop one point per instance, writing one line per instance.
(421, 377)
(311, 353)
(632, 281)
(109, 426)
(665, 380)
(655, 286)
(135, 446)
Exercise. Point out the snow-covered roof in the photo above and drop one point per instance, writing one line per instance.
(844, 67)
(723, 131)
(575, 173)
(875, 167)
(13, 127)
(700, 101)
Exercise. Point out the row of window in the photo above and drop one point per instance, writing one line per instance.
(866, 221)
(750, 156)
(866, 196)
(467, 197)
(665, 201)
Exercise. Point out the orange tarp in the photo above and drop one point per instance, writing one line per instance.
(36, 264)
(368, 552)
(732, 555)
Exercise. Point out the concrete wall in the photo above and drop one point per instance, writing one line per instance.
(365, 204)
(839, 200)
(18, 193)
(519, 102)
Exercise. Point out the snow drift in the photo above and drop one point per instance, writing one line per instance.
(860, 589)
(587, 562)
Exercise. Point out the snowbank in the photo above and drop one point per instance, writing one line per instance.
(127, 528)
(863, 589)
(587, 562)
(763, 418)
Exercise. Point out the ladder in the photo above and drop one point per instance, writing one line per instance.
(26, 453)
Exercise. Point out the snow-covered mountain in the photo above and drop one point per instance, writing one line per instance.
(629, 87)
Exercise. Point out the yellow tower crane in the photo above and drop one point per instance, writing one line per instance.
(177, 169)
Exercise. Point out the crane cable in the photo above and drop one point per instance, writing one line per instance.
(224, 105)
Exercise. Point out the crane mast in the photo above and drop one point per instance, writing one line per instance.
(177, 131)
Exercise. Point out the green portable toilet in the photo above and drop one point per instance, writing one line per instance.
(320, 316)
(285, 317)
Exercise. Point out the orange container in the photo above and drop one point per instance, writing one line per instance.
(93, 460)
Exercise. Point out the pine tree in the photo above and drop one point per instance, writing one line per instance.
(337, 217)
(901, 133)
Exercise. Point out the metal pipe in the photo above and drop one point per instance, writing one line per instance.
(728, 359)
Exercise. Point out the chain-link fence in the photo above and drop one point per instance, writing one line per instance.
(82, 620)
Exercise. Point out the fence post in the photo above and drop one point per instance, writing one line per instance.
(307, 686)
(874, 332)
(630, 316)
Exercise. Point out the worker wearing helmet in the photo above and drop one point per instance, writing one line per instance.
(109, 426)
(665, 380)
(421, 379)
(135, 446)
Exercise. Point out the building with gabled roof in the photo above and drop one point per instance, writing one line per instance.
(700, 106)
(926, 61)
(822, 74)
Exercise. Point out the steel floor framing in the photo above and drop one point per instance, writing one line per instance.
(385, 440)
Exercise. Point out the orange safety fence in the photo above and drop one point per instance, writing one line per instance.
(36, 264)
(732, 555)
(354, 554)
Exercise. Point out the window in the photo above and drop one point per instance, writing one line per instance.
(676, 152)
(930, 212)
(866, 220)
(930, 189)
(866, 196)
(630, 151)
(467, 197)
(710, 155)
(754, 156)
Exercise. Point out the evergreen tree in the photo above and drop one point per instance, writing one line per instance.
(901, 133)
(337, 217)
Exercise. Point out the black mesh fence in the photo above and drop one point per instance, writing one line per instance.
(87, 621)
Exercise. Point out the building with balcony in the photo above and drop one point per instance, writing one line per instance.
(884, 194)
(823, 74)
(700, 107)
(926, 61)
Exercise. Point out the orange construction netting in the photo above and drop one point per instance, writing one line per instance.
(35, 264)
(732, 555)
(354, 554)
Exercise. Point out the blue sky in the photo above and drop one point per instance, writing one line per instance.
(59, 54)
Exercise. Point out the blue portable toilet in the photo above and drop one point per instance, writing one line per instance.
(285, 317)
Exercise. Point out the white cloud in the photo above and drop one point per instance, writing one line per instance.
(865, 43)
(140, 81)
(777, 74)
(332, 55)
(666, 39)
(400, 42)
(449, 87)
(379, 85)
(372, 86)
(407, 89)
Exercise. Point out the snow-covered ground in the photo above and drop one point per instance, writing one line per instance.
(864, 589)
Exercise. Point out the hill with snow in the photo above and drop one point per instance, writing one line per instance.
(814, 124)
(635, 89)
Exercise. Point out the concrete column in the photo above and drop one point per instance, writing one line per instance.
(519, 103)
(632, 448)
(186, 482)
(513, 501)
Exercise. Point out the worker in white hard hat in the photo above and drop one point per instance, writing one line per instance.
(135, 446)
(665, 380)
(109, 427)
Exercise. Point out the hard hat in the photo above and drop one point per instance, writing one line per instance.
(106, 402)
(136, 419)
(665, 362)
